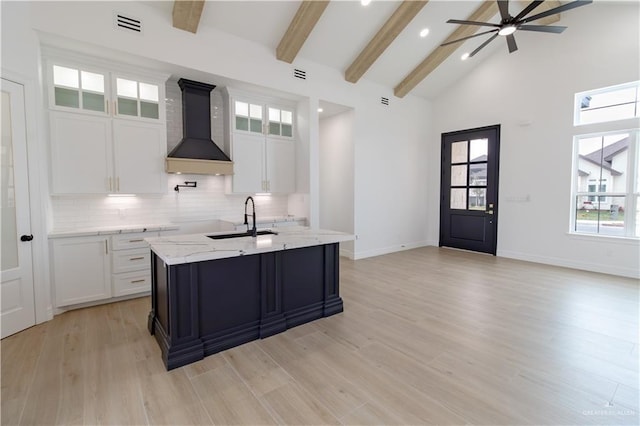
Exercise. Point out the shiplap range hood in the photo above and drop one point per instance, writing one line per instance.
(197, 153)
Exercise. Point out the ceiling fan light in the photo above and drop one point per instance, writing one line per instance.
(507, 30)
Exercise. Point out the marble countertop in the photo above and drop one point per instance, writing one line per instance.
(179, 249)
(87, 232)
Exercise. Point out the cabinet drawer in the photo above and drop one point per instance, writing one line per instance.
(131, 260)
(131, 283)
(130, 241)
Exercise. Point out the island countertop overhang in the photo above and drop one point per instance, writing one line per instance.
(180, 249)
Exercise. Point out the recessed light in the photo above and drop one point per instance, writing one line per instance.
(465, 56)
(365, 2)
(424, 32)
(320, 110)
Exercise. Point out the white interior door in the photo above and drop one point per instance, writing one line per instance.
(16, 284)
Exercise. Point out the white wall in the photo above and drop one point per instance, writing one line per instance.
(531, 94)
(336, 176)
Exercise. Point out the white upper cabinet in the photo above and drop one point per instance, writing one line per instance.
(108, 131)
(262, 146)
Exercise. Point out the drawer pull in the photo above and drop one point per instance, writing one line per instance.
(136, 241)
(136, 258)
(137, 281)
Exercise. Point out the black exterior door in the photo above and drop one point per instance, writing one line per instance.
(469, 189)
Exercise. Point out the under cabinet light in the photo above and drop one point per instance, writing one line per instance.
(121, 195)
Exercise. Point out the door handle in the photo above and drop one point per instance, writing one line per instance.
(26, 238)
(489, 211)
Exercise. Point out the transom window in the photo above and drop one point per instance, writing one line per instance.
(608, 104)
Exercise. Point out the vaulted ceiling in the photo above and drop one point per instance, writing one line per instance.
(380, 42)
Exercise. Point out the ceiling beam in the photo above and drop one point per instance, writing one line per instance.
(299, 29)
(397, 22)
(186, 14)
(486, 11)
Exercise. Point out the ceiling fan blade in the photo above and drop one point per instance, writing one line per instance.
(511, 42)
(543, 28)
(472, 36)
(503, 5)
(556, 10)
(489, 40)
(528, 9)
(482, 24)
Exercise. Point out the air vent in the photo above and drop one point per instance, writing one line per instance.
(302, 75)
(127, 23)
(384, 101)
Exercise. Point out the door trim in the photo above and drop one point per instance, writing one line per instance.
(37, 161)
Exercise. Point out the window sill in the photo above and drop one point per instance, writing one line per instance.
(604, 238)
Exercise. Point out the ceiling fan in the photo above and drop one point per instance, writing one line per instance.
(510, 24)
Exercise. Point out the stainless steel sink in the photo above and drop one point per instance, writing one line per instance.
(241, 234)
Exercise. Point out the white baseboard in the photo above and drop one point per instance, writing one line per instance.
(566, 263)
(346, 253)
(391, 249)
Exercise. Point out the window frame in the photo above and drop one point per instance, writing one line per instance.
(581, 95)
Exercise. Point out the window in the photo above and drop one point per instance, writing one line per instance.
(137, 99)
(75, 88)
(280, 122)
(608, 104)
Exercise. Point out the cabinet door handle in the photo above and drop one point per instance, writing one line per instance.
(137, 281)
(136, 241)
(136, 258)
(106, 247)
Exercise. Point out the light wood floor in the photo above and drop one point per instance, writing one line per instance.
(428, 336)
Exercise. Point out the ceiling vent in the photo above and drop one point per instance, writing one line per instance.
(127, 23)
(384, 101)
(302, 75)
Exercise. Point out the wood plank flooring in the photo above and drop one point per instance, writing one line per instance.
(428, 336)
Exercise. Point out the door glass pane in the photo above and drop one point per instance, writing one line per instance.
(478, 174)
(459, 152)
(242, 109)
(459, 175)
(63, 76)
(274, 115)
(127, 88)
(92, 81)
(459, 198)
(127, 106)
(255, 111)
(287, 117)
(477, 198)
(149, 92)
(67, 97)
(93, 101)
(9, 258)
(478, 150)
(149, 110)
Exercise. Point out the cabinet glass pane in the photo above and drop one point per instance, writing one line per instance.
(149, 110)
(63, 76)
(149, 92)
(478, 150)
(242, 109)
(477, 198)
(9, 258)
(93, 101)
(256, 125)
(459, 152)
(92, 81)
(127, 107)
(287, 130)
(459, 175)
(459, 198)
(255, 111)
(242, 123)
(287, 117)
(67, 97)
(274, 128)
(127, 88)
(274, 114)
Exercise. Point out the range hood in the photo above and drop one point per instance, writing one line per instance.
(197, 152)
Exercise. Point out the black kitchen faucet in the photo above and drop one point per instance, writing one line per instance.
(254, 231)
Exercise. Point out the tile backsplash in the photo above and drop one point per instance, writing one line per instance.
(207, 201)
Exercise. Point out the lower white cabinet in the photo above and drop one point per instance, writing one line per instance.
(81, 269)
(87, 269)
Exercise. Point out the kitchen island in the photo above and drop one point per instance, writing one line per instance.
(209, 295)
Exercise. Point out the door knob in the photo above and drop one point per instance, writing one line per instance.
(489, 211)
(26, 238)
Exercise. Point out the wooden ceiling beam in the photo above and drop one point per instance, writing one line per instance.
(299, 29)
(397, 22)
(486, 11)
(186, 14)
